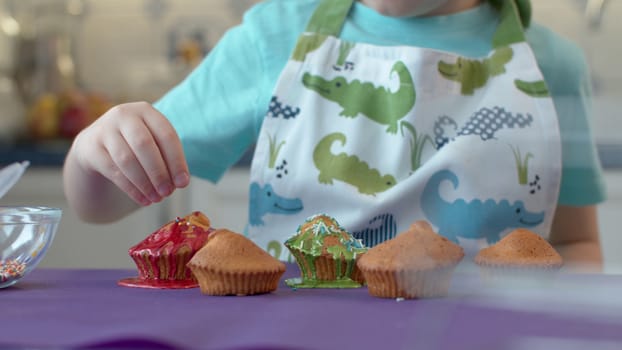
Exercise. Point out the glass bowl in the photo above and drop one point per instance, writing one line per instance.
(26, 233)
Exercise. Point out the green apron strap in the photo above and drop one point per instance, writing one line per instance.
(327, 20)
(510, 29)
(329, 17)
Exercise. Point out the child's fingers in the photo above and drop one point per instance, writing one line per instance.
(170, 148)
(105, 165)
(126, 170)
(147, 154)
(128, 187)
(137, 149)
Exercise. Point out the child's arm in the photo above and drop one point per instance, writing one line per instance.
(575, 236)
(128, 157)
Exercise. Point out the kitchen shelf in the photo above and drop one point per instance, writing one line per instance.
(52, 154)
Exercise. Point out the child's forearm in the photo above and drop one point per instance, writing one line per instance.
(129, 155)
(576, 237)
(92, 197)
(585, 256)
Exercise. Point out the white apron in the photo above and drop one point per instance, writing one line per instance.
(379, 137)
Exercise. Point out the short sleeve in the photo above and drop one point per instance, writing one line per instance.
(215, 109)
(219, 108)
(566, 72)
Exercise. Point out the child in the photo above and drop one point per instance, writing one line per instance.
(380, 114)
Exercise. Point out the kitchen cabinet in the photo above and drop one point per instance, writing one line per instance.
(79, 244)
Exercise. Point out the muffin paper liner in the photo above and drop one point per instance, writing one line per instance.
(215, 282)
(409, 284)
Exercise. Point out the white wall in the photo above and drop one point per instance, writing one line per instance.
(119, 37)
(602, 46)
(123, 47)
(609, 222)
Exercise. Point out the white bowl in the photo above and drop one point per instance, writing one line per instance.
(26, 233)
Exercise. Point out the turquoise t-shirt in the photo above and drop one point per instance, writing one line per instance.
(218, 109)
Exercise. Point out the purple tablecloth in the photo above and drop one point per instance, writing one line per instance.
(60, 308)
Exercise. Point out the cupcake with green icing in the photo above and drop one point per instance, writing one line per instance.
(326, 255)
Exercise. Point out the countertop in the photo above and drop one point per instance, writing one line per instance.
(85, 308)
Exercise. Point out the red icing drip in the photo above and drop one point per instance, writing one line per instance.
(163, 255)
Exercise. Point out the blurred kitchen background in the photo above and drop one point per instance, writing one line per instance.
(64, 62)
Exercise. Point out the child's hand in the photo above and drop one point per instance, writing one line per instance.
(135, 147)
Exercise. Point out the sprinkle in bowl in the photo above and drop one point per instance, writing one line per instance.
(26, 233)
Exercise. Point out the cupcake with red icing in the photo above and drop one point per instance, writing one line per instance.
(161, 258)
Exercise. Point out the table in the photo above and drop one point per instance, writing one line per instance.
(78, 308)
